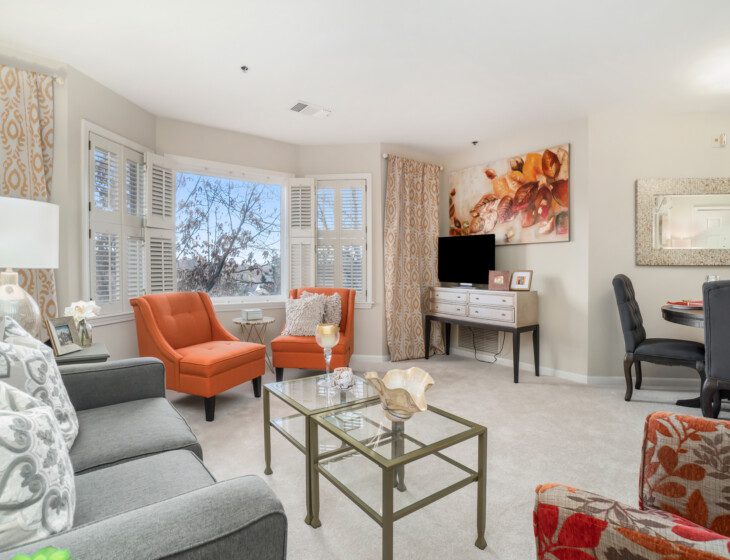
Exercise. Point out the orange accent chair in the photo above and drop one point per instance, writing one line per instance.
(201, 357)
(303, 352)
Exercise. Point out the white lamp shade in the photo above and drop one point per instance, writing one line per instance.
(28, 233)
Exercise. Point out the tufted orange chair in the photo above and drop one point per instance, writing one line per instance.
(303, 352)
(200, 356)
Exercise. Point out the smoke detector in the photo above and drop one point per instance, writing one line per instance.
(310, 110)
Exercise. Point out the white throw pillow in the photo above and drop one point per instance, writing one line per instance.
(37, 487)
(303, 315)
(29, 365)
(332, 307)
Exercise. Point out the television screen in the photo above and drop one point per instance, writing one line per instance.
(466, 259)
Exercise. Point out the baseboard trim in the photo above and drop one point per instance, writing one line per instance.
(370, 358)
(650, 382)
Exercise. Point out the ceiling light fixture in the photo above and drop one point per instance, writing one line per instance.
(244, 68)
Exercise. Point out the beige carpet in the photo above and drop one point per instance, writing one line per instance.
(541, 430)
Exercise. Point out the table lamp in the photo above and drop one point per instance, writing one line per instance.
(28, 239)
(327, 336)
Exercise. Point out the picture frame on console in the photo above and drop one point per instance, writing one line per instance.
(499, 280)
(64, 335)
(521, 281)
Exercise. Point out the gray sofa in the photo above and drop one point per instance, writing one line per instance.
(142, 490)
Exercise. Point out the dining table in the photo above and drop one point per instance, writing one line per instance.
(689, 318)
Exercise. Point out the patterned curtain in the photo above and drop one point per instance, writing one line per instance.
(411, 243)
(26, 154)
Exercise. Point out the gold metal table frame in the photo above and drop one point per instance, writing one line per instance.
(336, 399)
(393, 470)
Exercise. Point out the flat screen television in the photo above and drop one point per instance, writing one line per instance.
(466, 259)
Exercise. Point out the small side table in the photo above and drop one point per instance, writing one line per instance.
(255, 331)
(95, 353)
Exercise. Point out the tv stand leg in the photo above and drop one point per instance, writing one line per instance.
(427, 336)
(516, 355)
(447, 342)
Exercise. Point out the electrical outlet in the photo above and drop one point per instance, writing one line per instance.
(720, 141)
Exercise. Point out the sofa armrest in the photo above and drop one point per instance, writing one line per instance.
(571, 523)
(239, 518)
(684, 468)
(102, 384)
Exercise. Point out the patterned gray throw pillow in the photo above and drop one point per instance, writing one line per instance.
(332, 307)
(37, 487)
(29, 365)
(303, 315)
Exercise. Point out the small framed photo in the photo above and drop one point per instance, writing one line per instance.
(521, 281)
(64, 335)
(499, 280)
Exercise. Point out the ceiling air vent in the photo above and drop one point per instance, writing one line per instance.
(310, 110)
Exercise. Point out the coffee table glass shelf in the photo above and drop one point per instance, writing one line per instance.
(376, 454)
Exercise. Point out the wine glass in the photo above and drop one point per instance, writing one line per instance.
(327, 336)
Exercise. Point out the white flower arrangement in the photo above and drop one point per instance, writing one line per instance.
(81, 310)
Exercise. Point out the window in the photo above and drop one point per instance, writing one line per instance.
(341, 236)
(228, 234)
(116, 229)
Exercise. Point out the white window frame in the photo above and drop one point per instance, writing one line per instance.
(88, 128)
(368, 302)
(185, 164)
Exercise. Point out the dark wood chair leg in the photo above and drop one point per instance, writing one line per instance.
(637, 368)
(209, 409)
(536, 349)
(279, 374)
(256, 382)
(628, 362)
(710, 399)
(516, 355)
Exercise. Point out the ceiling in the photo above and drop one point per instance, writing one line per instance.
(434, 74)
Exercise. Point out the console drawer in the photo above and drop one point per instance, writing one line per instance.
(448, 295)
(506, 314)
(492, 299)
(448, 308)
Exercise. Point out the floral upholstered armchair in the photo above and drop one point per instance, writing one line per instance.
(684, 502)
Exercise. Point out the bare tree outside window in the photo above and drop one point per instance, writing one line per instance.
(228, 236)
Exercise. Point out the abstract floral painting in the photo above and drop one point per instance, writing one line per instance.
(522, 199)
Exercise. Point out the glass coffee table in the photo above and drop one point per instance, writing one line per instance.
(306, 397)
(378, 456)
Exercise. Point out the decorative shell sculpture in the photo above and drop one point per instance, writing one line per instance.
(402, 391)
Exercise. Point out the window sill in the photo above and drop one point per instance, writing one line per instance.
(276, 304)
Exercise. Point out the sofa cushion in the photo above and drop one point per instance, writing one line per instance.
(134, 484)
(37, 486)
(29, 365)
(214, 357)
(120, 432)
(306, 344)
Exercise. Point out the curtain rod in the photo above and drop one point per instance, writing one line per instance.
(20, 64)
(385, 156)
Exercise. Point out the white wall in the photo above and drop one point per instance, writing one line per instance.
(623, 148)
(560, 269)
(358, 158)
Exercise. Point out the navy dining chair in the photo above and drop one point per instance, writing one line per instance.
(716, 296)
(663, 351)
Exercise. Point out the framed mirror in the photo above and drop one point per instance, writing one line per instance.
(683, 222)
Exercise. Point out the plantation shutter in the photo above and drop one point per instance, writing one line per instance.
(160, 192)
(342, 235)
(160, 245)
(161, 257)
(301, 208)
